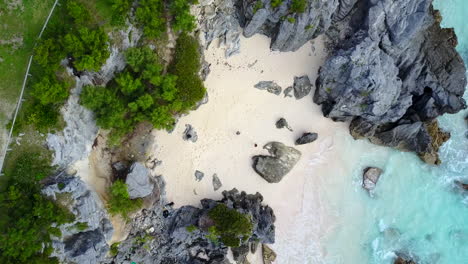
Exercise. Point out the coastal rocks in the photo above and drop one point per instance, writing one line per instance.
(83, 240)
(306, 138)
(302, 87)
(392, 77)
(199, 175)
(269, 86)
(190, 134)
(288, 29)
(268, 254)
(218, 20)
(403, 260)
(282, 123)
(370, 177)
(139, 181)
(273, 168)
(216, 182)
(178, 235)
(463, 186)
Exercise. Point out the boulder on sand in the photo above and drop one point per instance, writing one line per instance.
(306, 138)
(138, 181)
(273, 168)
(302, 86)
(270, 86)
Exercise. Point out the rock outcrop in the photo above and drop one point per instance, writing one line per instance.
(392, 75)
(370, 177)
(392, 69)
(273, 168)
(177, 236)
(306, 138)
(139, 181)
(85, 239)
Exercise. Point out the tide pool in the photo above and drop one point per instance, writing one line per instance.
(417, 210)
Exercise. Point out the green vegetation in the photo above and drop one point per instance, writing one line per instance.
(308, 27)
(150, 16)
(142, 93)
(298, 6)
(120, 11)
(258, 5)
(291, 20)
(191, 228)
(182, 19)
(81, 226)
(27, 215)
(120, 202)
(230, 226)
(276, 3)
(114, 249)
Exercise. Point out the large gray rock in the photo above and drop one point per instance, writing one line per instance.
(273, 168)
(302, 86)
(177, 236)
(393, 75)
(190, 134)
(84, 239)
(139, 181)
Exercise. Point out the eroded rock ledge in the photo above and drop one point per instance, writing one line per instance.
(162, 234)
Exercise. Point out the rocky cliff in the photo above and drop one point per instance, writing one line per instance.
(162, 234)
(391, 71)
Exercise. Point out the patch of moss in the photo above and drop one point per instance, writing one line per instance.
(191, 228)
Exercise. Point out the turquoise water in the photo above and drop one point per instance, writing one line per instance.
(416, 209)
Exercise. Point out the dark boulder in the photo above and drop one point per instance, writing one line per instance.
(306, 138)
(273, 168)
(302, 86)
(370, 177)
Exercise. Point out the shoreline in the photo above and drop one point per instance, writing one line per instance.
(235, 105)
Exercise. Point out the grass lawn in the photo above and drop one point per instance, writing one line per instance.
(22, 24)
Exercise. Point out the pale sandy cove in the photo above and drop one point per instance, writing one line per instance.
(235, 105)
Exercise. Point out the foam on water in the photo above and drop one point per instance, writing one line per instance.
(416, 210)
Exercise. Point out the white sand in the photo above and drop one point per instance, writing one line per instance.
(235, 105)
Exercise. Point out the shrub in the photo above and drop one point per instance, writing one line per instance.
(49, 91)
(78, 12)
(191, 228)
(276, 3)
(183, 20)
(291, 20)
(298, 6)
(120, 10)
(230, 225)
(258, 5)
(150, 15)
(27, 216)
(119, 200)
(186, 66)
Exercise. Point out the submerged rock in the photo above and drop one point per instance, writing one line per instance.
(306, 138)
(370, 177)
(282, 123)
(403, 260)
(302, 86)
(273, 168)
(139, 181)
(270, 86)
(463, 186)
(216, 182)
(269, 256)
(190, 134)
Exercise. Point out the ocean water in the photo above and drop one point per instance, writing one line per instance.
(416, 210)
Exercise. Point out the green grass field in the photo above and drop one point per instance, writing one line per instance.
(22, 23)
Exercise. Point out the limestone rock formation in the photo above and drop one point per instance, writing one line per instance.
(392, 77)
(370, 177)
(177, 237)
(269, 86)
(306, 138)
(139, 181)
(83, 240)
(273, 168)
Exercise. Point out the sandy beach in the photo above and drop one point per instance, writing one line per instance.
(235, 105)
